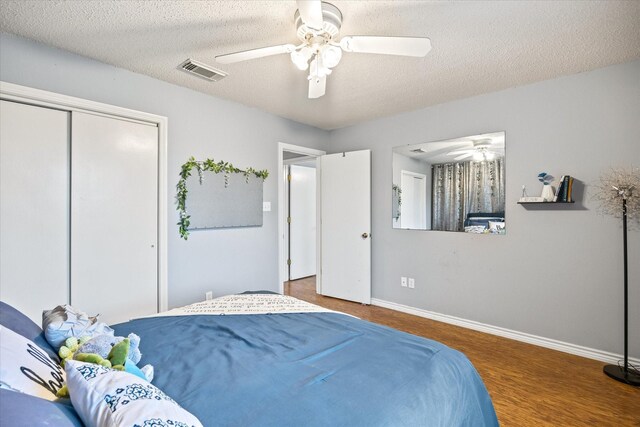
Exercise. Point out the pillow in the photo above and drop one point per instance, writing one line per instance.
(65, 321)
(478, 229)
(26, 368)
(259, 292)
(105, 397)
(22, 410)
(21, 324)
(496, 226)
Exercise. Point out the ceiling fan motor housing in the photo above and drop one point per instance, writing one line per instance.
(330, 27)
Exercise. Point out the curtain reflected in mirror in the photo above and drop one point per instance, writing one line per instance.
(453, 185)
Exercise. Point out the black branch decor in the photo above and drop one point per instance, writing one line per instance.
(201, 166)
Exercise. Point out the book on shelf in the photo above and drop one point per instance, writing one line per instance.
(570, 190)
(564, 193)
(557, 197)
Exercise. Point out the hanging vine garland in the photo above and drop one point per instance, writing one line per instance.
(208, 165)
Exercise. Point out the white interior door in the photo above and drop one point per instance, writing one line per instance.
(34, 208)
(302, 197)
(413, 210)
(346, 225)
(114, 211)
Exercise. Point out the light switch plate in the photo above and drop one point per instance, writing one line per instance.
(412, 282)
(266, 206)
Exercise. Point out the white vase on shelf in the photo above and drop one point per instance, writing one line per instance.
(547, 193)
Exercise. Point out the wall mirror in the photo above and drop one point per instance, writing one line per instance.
(453, 185)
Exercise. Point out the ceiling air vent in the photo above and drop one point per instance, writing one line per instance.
(202, 70)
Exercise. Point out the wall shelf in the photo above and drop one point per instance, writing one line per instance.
(552, 206)
(568, 188)
(546, 203)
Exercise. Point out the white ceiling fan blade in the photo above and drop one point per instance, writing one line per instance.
(404, 46)
(464, 156)
(246, 55)
(311, 13)
(455, 153)
(317, 87)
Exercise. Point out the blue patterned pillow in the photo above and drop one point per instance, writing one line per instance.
(105, 397)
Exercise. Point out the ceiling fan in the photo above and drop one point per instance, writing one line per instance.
(482, 149)
(318, 25)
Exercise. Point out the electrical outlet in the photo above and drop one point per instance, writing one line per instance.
(412, 282)
(403, 282)
(208, 295)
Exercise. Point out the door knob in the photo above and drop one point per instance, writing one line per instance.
(365, 235)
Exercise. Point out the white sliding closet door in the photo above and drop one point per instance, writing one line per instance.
(114, 211)
(34, 207)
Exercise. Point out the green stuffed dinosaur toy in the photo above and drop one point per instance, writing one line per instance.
(70, 346)
(117, 359)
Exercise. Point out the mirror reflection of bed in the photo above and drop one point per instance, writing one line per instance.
(451, 185)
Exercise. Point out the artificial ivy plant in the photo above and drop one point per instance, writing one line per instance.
(203, 166)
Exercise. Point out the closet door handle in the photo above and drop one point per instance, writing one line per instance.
(365, 235)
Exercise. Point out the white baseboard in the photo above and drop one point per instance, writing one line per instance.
(578, 350)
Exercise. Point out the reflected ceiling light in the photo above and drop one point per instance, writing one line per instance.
(482, 155)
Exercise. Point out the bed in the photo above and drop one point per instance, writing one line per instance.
(287, 368)
(485, 222)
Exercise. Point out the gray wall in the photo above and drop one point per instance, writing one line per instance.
(224, 261)
(557, 273)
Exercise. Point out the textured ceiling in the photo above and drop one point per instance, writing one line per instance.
(478, 47)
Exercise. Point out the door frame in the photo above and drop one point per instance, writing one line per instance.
(311, 152)
(287, 206)
(42, 98)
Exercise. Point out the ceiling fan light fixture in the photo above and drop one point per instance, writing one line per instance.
(331, 55)
(313, 70)
(478, 156)
(317, 70)
(301, 57)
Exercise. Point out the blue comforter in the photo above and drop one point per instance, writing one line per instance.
(311, 369)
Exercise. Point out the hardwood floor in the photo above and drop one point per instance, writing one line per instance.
(529, 385)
